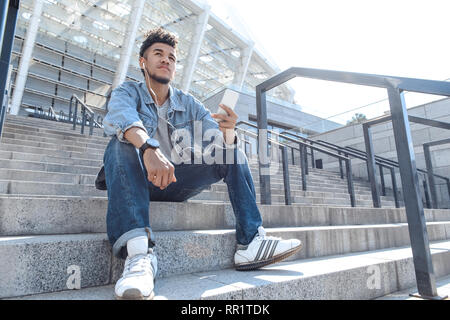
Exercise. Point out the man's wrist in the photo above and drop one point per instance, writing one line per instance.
(148, 144)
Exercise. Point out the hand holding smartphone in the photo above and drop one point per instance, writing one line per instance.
(229, 99)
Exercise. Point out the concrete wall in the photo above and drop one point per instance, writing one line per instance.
(278, 113)
(384, 144)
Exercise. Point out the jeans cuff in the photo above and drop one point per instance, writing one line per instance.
(119, 247)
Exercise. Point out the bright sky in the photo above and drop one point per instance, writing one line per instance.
(407, 38)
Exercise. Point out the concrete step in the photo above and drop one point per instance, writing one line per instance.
(46, 176)
(12, 155)
(49, 151)
(48, 124)
(47, 166)
(34, 215)
(348, 276)
(305, 279)
(17, 187)
(49, 188)
(278, 198)
(48, 127)
(55, 141)
(279, 189)
(60, 135)
(26, 143)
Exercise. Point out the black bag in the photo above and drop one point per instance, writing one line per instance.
(100, 181)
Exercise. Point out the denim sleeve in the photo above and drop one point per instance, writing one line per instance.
(122, 114)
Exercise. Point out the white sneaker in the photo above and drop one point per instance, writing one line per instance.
(265, 250)
(139, 272)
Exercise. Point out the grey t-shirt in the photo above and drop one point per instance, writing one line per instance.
(162, 132)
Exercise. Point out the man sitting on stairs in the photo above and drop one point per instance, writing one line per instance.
(143, 119)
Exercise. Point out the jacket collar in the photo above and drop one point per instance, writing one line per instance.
(174, 102)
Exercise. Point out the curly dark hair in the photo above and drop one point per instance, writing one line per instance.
(158, 35)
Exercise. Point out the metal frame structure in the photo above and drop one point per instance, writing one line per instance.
(371, 168)
(8, 19)
(105, 36)
(426, 282)
(302, 148)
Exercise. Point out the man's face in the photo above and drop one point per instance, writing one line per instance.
(160, 62)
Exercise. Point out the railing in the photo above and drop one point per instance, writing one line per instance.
(303, 164)
(49, 115)
(283, 148)
(427, 173)
(371, 156)
(87, 115)
(347, 153)
(395, 86)
(431, 175)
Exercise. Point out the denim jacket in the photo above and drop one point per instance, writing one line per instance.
(183, 111)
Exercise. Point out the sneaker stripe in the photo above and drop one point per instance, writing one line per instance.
(267, 250)
(273, 248)
(261, 247)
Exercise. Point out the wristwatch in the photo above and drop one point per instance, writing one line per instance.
(149, 143)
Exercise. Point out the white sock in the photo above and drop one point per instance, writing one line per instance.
(138, 245)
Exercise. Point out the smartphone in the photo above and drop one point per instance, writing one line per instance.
(229, 99)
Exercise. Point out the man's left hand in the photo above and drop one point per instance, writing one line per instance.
(227, 124)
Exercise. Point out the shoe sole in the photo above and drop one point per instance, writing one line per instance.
(263, 263)
(135, 294)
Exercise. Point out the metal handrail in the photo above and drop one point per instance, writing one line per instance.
(426, 184)
(361, 157)
(86, 115)
(303, 163)
(283, 147)
(394, 163)
(395, 87)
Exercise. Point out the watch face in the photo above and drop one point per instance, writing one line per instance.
(153, 143)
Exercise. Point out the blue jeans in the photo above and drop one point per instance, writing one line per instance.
(130, 193)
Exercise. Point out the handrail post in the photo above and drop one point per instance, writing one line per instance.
(287, 187)
(351, 190)
(83, 118)
(263, 158)
(341, 169)
(91, 124)
(306, 159)
(394, 187)
(70, 108)
(371, 167)
(292, 154)
(448, 186)
(425, 277)
(302, 166)
(383, 185)
(432, 182)
(75, 115)
(313, 163)
(427, 196)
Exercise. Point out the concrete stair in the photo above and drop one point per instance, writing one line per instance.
(52, 217)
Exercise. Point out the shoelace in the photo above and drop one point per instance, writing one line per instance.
(262, 235)
(138, 264)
